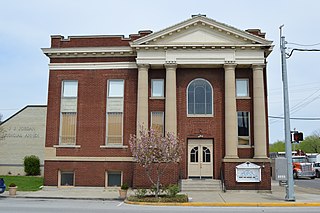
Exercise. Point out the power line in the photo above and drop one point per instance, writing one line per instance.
(304, 45)
(306, 119)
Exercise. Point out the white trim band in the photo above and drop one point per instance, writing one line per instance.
(93, 66)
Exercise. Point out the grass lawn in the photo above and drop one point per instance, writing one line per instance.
(24, 183)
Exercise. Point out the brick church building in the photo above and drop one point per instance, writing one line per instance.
(200, 79)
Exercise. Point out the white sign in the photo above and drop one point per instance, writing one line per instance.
(248, 172)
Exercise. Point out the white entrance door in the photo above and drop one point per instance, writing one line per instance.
(200, 158)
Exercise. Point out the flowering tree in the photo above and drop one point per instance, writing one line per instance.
(154, 152)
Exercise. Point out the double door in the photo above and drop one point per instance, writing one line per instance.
(200, 158)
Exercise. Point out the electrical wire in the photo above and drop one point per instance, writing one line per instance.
(304, 45)
(305, 119)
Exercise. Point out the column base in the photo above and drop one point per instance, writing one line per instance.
(260, 157)
(231, 157)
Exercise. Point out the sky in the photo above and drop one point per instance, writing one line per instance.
(26, 27)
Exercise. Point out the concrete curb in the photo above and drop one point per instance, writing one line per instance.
(63, 198)
(235, 204)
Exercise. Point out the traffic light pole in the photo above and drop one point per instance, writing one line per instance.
(290, 184)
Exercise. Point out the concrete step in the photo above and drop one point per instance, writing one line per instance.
(200, 185)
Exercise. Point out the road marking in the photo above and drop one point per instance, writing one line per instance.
(120, 204)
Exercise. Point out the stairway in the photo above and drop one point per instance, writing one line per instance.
(200, 185)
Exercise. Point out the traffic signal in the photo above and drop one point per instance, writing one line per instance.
(297, 137)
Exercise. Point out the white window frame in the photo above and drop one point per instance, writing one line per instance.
(245, 137)
(60, 176)
(63, 88)
(162, 112)
(106, 177)
(157, 80)
(108, 90)
(212, 96)
(120, 111)
(248, 92)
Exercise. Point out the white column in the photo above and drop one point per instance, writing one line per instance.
(171, 101)
(142, 96)
(259, 112)
(231, 126)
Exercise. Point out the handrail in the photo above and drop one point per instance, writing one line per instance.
(223, 186)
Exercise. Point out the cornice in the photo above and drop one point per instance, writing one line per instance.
(121, 51)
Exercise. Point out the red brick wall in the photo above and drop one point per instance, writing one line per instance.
(141, 180)
(86, 173)
(91, 120)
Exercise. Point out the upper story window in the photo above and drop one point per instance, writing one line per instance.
(116, 88)
(157, 88)
(243, 128)
(242, 87)
(200, 96)
(70, 89)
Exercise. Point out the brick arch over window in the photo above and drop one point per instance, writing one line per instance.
(199, 97)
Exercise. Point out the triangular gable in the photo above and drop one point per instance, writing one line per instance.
(201, 30)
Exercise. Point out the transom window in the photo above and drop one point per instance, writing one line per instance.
(199, 95)
(70, 89)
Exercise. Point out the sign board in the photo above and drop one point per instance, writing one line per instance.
(248, 172)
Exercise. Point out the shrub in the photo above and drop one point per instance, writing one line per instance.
(140, 192)
(32, 165)
(12, 185)
(172, 190)
(124, 186)
(181, 198)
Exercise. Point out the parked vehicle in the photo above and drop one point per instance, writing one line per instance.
(302, 168)
(316, 167)
(2, 186)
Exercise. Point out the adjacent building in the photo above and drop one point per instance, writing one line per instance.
(22, 134)
(200, 79)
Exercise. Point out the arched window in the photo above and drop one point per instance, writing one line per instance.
(199, 95)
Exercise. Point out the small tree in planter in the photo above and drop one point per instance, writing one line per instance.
(154, 152)
(123, 191)
(12, 189)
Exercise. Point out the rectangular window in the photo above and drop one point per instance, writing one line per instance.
(114, 178)
(243, 128)
(157, 121)
(242, 87)
(114, 117)
(67, 179)
(68, 128)
(114, 128)
(116, 88)
(157, 88)
(70, 89)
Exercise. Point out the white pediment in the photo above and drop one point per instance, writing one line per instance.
(199, 35)
(201, 30)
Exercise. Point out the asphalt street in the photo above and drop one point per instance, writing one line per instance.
(10, 205)
(308, 183)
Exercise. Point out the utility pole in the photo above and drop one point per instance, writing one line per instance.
(290, 184)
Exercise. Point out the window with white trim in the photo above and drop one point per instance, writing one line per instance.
(157, 87)
(157, 121)
(114, 115)
(69, 89)
(66, 178)
(242, 87)
(114, 178)
(200, 97)
(68, 113)
(243, 128)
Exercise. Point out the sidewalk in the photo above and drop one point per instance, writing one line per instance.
(304, 197)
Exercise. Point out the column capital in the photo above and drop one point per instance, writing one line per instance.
(170, 64)
(145, 66)
(258, 66)
(229, 65)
